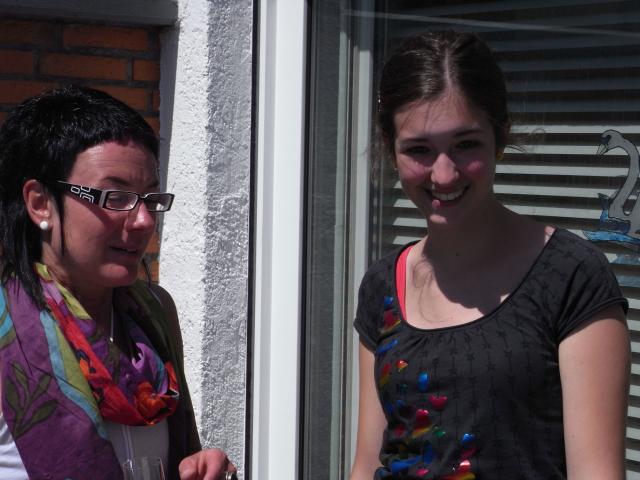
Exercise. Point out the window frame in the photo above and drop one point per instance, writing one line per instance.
(281, 99)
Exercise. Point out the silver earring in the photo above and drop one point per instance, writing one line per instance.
(44, 225)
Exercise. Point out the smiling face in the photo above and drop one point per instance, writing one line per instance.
(445, 154)
(103, 248)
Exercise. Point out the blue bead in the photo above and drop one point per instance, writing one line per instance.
(398, 466)
(468, 438)
(428, 454)
(386, 347)
(423, 381)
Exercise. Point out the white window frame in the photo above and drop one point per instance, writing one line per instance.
(278, 225)
(361, 182)
(279, 221)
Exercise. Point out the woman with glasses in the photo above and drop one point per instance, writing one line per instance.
(90, 357)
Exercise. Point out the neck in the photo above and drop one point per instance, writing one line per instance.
(98, 306)
(96, 301)
(475, 242)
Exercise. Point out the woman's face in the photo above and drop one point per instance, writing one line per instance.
(103, 248)
(445, 154)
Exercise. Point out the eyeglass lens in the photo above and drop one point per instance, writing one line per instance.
(155, 202)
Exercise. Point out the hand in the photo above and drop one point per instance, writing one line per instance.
(209, 464)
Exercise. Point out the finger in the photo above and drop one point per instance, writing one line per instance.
(187, 473)
(219, 472)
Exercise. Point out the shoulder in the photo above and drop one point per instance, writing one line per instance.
(166, 301)
(578, 263)
(380, 273)
(377, 283)
(154, 296)
(163, 296)
(573, 252)
(170, 312)
(565, 240)
(377, 292)
(582, 282)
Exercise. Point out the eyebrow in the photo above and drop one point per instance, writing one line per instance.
(468, 131)
(460, 133)
(123, 183)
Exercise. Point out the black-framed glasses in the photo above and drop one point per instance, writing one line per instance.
(120, 200)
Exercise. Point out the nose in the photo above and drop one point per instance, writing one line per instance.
(444, 171)
(140, 218)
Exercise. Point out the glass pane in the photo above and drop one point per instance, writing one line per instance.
(326, 246)
(340, 86)
(573, 74)
(573, 69)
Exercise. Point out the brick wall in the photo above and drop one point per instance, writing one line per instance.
(123, 61)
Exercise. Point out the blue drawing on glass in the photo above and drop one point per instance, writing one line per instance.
(617, 223)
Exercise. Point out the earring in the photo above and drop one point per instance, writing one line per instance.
(44, 225)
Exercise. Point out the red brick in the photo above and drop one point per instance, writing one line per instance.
(14, 91)
(154, 266)
(136, 98)
(154, 270)
(155, 101)
(146, 70)
(154, 244)
(154, 41)
(27, 32)
(83, 66)
(152, 263)
(105, 37)
(154, 123)
(14, 61)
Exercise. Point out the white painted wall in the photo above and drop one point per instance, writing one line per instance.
(204, 260)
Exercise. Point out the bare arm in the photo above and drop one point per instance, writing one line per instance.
(594, 370)
(371, 421)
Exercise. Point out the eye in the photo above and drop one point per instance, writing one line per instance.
(468, 144)
(417, 150)
(118, 200)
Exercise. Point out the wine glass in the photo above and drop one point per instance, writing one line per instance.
(143, 468)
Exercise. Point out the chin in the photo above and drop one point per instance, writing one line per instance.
(442, 223)
(121, 276)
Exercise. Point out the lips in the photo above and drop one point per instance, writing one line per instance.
(447, 196)
(127, 250)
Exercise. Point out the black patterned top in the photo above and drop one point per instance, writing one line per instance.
(482, 400)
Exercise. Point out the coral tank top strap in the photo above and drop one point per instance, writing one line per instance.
(401, 278)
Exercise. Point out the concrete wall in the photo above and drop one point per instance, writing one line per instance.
(205, 113)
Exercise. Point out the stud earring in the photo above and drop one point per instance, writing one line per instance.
(44, 225)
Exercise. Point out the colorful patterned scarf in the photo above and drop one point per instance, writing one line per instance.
(62, 377)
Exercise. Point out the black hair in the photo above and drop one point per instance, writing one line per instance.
(41, 139)
(427, 64)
